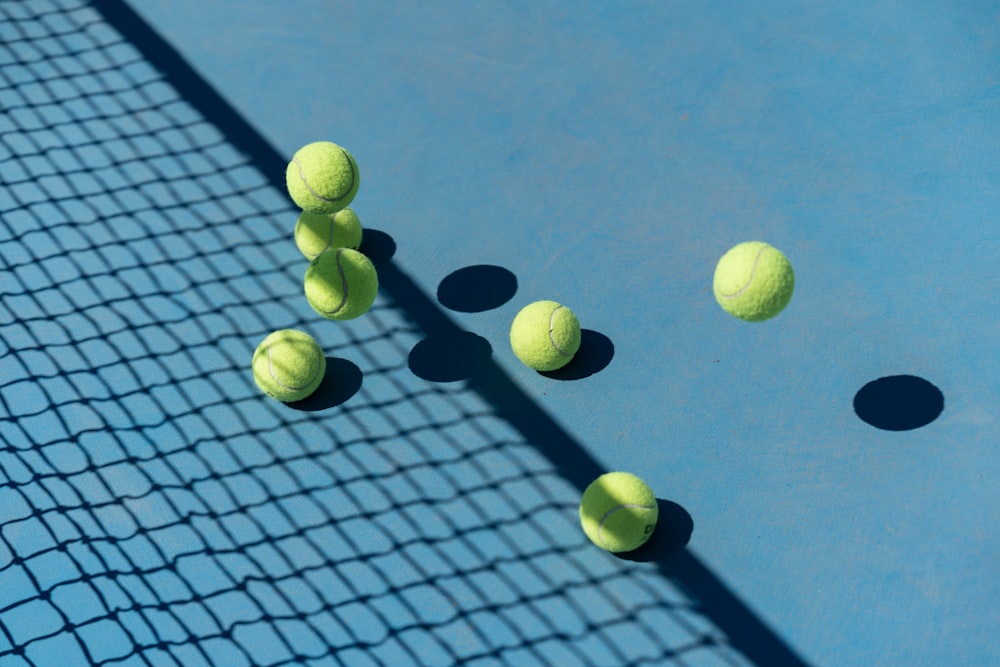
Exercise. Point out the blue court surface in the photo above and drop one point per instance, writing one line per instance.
(826, 479)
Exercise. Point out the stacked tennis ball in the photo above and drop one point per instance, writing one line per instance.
(340, 282)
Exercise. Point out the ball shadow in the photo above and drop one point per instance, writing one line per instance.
(377, 246)
(449, 358)
(342, 381)
(672, 533)
(478, 288)
(595, 353)
(899, 403)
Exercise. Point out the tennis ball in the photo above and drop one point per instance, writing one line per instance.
(618, 512)
(318, 232)
(288, 365)
(754, 281)
(322, 177)
(545, 335)
(341, 284)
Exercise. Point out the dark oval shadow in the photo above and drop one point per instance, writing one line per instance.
(342, 381)
(595, 353)
(451, 357)
(478, 288)
(672, 533)
(899, 403)
(377, 246)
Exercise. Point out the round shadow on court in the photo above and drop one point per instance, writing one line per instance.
(899, 403)
(595, 353)
(672, 533)
(450, 358)
(377, 246)
(478, 288)
(342, 381)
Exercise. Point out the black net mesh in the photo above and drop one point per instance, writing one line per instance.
(156, 509)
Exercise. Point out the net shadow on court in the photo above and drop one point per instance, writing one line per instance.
(156, 509)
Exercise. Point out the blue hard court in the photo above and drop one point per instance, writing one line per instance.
(826, 479)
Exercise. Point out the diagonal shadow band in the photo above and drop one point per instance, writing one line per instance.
(745, 631)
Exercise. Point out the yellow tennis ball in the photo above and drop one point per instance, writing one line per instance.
(316, 233)
(288, 365)
(753, 281)
(341, 284)
(618, 512)
(545, 335)
(322, 177)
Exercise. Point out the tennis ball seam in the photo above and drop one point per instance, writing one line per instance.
(305, 181)
(552, 327)
(270, 370)
(753, 273)
(344, 283)
(341, 284)
(545, 335)
(329, 234)
(616, 508)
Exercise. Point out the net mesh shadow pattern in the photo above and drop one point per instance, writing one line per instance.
(156, 509)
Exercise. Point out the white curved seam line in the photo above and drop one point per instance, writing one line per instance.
(600, 525)
(329, 241)
(343, 282)
(552, 324)
(753, 271)
(302, 175)
(270, 368)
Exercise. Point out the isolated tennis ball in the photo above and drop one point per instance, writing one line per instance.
(316, 233)
(618, 512)
(341, 284)
(753, 281)
(545, 335)
(322, 177)
(288, 365)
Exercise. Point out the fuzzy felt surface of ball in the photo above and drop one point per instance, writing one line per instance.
(341, 284)
(545, 335)
(315, 233)
(618, 512)
(322, 177)
(288, 365)
(753, 281)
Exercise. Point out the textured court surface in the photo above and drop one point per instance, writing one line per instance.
(827, 479)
